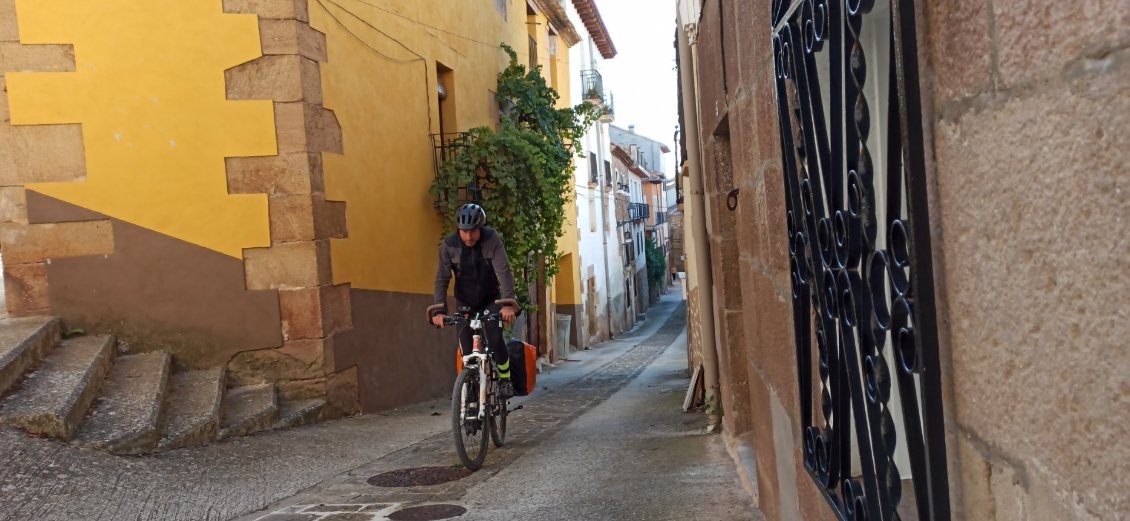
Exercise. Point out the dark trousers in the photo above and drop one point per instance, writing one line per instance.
(493, 331)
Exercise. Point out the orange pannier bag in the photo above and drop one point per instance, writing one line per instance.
(523, 366)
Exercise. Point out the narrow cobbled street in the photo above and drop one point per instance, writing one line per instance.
(603, 441)
(603, 437)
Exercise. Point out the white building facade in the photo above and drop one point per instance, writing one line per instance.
(603, 298)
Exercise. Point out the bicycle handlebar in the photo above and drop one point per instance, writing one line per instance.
(455, 319)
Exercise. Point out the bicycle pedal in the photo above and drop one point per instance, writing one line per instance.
(515, 409)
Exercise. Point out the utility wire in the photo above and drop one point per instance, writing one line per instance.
(424, 61)
(371, 26)
(417, 22)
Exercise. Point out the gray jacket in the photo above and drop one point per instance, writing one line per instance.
(493, 252)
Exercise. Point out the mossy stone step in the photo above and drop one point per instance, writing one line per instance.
(126, 415)
(53, 400)
(193, 409)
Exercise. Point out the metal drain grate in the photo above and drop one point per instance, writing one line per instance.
(418, 477)
(428, 513)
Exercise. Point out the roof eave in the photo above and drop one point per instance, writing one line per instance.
(559, 19)
(594, 24)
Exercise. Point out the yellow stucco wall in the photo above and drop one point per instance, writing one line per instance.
(148, 89)
(380, 81)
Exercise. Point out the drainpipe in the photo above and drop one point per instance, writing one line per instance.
(699, 253)
(604, 226)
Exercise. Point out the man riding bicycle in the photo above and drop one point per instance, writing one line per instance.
(477, 257)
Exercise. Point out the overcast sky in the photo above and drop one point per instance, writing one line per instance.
(642, 76)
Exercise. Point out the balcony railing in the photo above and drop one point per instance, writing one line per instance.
(592, 85)
(638, 211)
(608, 109)
(660, 217)
(444, 148)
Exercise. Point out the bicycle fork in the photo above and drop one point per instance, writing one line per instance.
(480, 361)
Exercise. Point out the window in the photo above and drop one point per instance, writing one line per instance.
(445, 91)
(495, 110)
(594, 174)
(533, 53)
(532, 29)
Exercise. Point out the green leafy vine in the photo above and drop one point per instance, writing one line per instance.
(656, 264)
(522, 173)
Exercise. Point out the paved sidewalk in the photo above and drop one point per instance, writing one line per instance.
(45, 480)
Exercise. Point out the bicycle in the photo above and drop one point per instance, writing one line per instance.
(476, 384)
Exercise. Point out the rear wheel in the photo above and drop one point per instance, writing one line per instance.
(469, 431)
(498, 423)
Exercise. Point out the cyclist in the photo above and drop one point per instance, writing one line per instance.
(475, 254)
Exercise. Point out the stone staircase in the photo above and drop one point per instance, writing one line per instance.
(78, 389)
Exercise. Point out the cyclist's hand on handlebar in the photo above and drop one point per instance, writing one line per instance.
(438, 319)
(508, 314)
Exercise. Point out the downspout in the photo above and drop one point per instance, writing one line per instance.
(604, 226)
(699, 253)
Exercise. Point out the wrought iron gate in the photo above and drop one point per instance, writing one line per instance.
(859, 240)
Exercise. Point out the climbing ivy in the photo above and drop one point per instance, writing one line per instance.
(656, 264)
(524, 170)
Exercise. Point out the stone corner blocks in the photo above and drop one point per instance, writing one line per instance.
(24, 244)
(288, 265)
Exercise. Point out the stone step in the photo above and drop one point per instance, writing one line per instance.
(299, 412)
(248, 409)
(126, 415)
(53, 400)
(23, 343)
(192, 415)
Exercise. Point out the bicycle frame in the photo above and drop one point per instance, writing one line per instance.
(480, 359)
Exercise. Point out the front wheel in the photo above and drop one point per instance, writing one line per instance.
(470, 436)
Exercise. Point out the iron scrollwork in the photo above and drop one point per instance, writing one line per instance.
(859, 245)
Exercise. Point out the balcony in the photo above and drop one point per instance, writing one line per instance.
(660, 217)
(592, 86)
(445, 147)
(638, 211)
(608, 109)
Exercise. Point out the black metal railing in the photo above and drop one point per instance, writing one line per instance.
(608, 107)
(592, 85)
(445, 147)
(860, 258)
(660, 217)
(638, 211)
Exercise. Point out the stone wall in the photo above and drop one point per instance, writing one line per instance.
(1030, 113)
(297, 264)
(269, 313)
(1026, 113)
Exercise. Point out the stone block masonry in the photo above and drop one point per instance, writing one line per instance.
(313, 311)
